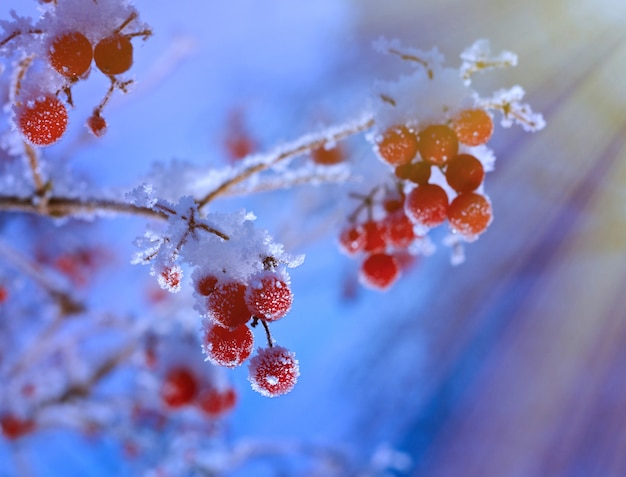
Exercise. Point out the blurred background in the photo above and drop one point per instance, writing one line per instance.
(510, 365)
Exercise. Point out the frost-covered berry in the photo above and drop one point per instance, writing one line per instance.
(398, 145)
(179, 387)
(216, 402)
(273, 371)
(473, 126)
(437, 144)
(206, 285)
(269, 296)
(374, 239)
(227, 304)
(170, 278)
(427, 205)
(352, 239)
(42, 121)
(71, 54)
(379, 271)
(398, 229)
(114, 54)
(470, 214)
(464, 173)
(226, 347)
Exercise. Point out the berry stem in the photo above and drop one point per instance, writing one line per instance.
(268, 335)
(289, 151)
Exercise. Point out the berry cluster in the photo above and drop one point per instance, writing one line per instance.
(181, 387)
(60, 49)
(414, 155)
(431, 131)
(383, 242)
(228, 340)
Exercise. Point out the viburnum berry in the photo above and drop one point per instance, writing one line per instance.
(14, 427)
(398, 229)
(97, 125)
(470, 214)
(379, 271)
(417, 172)
(437, 144)
(473, 126)
(464, 173)
(374, 240)
(216, 402)
(179, 388)
(269, 296)
(273, 371)
(398, 145)
(3, 294)
(71, 54)
(427, 205)
(114, 54)
(206, 285)
(42, 121)
(170, 278)
(226, 347)
(227, 304)
(327, 157)
(352, 239)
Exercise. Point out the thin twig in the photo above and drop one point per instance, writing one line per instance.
(289, 151)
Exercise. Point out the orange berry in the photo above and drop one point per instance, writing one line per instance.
(114, 54)
(437, 144)
(473, 126)
(43, 121)
(464, 173)
(470, 214)
(398, 146)
(70, 54)
(327, 157)
(427, 205)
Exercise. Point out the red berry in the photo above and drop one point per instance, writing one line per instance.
(206, 285)
(226, 347)
(427, 205)
(398, 229)
(179, 388)
(170, 278)
(14, 427)
(464, 173)
(470, 214)
(70, 54)
(473, 126)
(227, 304)
(216, 402)
(417, 172)
(97, 125)
(43, 121)
(327, 157)
(3, 294)
(374, 240)
(398, 145)
(269, 296)
(380, 271)
(114, 55)
(437, 144)
(352, 239)
(273, 371)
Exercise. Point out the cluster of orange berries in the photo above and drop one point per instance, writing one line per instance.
(414, 154)
(423, 202)
(42, 118)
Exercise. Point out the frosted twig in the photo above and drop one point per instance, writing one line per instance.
(293, 149)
